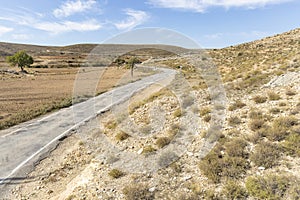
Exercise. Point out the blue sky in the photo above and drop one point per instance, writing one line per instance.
(211, 23)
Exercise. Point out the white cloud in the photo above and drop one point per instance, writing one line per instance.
(135, 18)
(202, 5)
(4, 30)
(20, 36)
(71, 7)
(67, 26)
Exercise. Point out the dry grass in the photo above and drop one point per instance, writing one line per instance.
(24, 97)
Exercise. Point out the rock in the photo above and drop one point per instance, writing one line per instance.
(261, 168)
(186, 178)
(140, 151)
(189, 153)
(152, 189)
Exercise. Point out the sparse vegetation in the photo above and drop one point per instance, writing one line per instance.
(265, 154)
(236, 105)
(269, 186)
(259, 99)
(148, 149)
(162, 141)
(137, 191)
(232, 190)
(116, 173)
(273, 96)
(122, 136)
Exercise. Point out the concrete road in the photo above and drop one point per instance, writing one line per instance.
(23, 145)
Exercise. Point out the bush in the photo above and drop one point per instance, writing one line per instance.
(211, 165)
(137, 191)
(233, 190)
(259, 99)
(177, 113)
(273, 96)
(292, 144)
(275, 110)
(112, 124)
(265, 154)
(256, 124)
(205, 111)
(215, 165)
(148, 149)
(281, 127)
(236, 147)
(232, 121)
(290, 92)
(234, 167)
(268, 186)
(286, 122)
(255, 114)
(207, 118)
(162, 141)
(122, 136)
(236, 105)
(115, 173)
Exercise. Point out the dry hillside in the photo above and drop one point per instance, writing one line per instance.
(257, 155)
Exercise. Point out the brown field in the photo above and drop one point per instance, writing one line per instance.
(26, 96)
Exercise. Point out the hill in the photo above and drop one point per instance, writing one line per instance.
(75, 55)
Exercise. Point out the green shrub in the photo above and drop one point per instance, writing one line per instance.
(232, 190)
(268, 186)
(265, 154)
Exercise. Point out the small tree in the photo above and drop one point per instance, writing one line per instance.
(131, 62)
(20, 59)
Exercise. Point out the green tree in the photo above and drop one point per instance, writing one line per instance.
(20, 59)
(131, 62)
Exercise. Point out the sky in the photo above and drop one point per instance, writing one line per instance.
(210, 23)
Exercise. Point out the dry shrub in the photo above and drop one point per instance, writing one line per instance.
(162, 141)
(137, 191)
(265, 154)
(256, 124)
(259, 99)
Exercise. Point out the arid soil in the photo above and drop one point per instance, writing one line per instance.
(24, 96)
